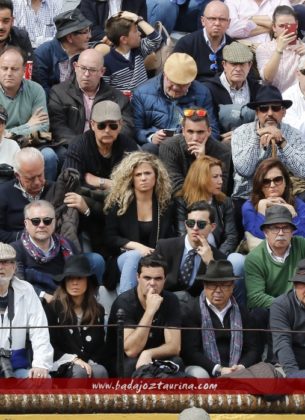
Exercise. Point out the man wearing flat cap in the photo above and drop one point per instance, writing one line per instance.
(266, 136)
(233, 89)
(211, 353)
(158, 104)
(287, 313)
(21, 307)
(53, 60)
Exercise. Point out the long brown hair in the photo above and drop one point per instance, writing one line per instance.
(198, 180)
(260, 173)
(90, 306)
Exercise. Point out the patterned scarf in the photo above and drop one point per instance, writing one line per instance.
(208, 334)
(60, 244)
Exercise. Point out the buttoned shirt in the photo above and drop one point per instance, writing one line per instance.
(40, 24)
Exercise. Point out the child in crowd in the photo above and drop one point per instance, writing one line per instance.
(124, 64)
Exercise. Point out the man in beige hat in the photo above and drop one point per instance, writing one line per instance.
(233, 89)
(21, 307)
(158, 104)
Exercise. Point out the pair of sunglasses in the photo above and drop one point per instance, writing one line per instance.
(199, 112)
(112, 125)
(278, 180)
(37, 220)
(201, 224)
(214, 65)
(265, 108)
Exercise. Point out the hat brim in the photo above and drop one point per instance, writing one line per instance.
(275, 221)
(298, 278)
(60, 277)
(216, 279)
(286, 103)
(77, 27)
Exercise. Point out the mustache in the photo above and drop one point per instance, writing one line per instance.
(280, 238)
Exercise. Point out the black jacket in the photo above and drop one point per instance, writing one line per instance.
(20, 38)
(67, 110)
(98, 12)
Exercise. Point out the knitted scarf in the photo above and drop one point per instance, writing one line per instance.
(60, 244)
(208, 334)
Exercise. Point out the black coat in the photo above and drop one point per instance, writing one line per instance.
(172, 250)
(98, 11)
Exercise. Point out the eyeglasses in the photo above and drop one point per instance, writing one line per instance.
(37, 220)
(7, 262)
(213, 286)
(201, 224)
(278, 180)
(276, 229)
(199, 112)
(84, 32)
(213, 66)
(112, 125)
(213, 19)
(83, 69)
(265, 108)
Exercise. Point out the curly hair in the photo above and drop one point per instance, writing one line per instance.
(258, 178)
(198, 180)
(122, 191)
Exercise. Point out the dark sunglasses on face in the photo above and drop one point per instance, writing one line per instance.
(265, 108)
(213, 66)
(201, 224)
(278, 180)
(102, 125)
(37, 220)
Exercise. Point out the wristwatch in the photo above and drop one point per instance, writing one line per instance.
(102, 183)
(218, 371)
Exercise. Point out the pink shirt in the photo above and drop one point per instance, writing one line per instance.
(242, 10)
(286, 74)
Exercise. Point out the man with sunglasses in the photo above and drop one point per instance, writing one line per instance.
(180, 151)
(253, 142)
(206, 45)
(213, 353)
(190, 254)
(53, 60)
(158, 104)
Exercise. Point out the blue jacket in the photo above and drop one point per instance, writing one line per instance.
(153, 110)
(46, 63)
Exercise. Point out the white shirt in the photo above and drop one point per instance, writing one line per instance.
(239, 96)
(8, 149)
(242, 10)
(275, 257)
(115, 6)
(295, 115)
(219, 313)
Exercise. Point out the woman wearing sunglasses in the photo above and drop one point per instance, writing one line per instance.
(271, 185)
(138, 213)
(79, 349)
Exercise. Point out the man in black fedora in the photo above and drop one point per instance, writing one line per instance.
(53, 60)
(208, 352)
(287, 312)
(253, 142)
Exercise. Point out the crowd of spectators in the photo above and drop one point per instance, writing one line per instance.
(179, 191)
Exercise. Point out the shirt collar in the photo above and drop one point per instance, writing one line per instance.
(221, 312)
(222, 44)
(12, 97)
(26, 194)
(226, 84)
(275, 257)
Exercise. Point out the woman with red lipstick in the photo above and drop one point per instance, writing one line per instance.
(78, 351)
(271, 185)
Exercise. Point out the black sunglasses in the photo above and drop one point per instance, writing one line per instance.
(265, 108)
(37, 220)
(102, 125)
(278, 180)
(201, 224)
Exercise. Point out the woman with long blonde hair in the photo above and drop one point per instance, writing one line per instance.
(138, 212)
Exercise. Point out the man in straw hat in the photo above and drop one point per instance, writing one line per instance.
(158, 104)
(21, 307)
(210, 352)
(253, 142)
(287, 313)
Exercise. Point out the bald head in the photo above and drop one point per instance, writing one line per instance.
(216, 19)
(89, 69)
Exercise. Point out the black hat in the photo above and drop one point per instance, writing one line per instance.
(220, 270)
(277, 214)
(299, 273)
(77, 266)
(269, 95)
(70, 21)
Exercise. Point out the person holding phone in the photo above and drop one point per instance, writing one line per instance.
(277, 60)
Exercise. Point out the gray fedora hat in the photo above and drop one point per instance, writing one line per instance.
(299, 273)
(277, 214)
(220, 270)
(71, 21)
(76, 266)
